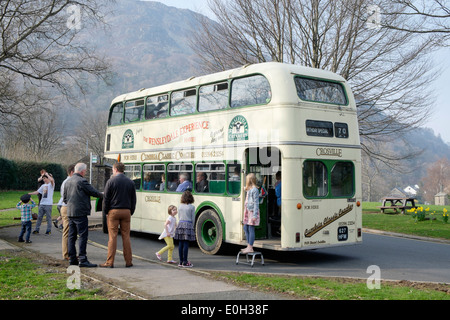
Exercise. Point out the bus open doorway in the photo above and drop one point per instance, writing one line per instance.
(265, 163)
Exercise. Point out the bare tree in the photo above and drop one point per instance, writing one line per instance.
(43, 53)
(437, 179)
(389, 70)
(38, 137)
(377, 179)
(90, 133)
(431, 16)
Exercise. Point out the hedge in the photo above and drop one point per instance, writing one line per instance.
(23, 175)
(8, 174)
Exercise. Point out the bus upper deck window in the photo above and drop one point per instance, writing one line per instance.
(320, 91)
(213, 97)
(250, 91)
(183, 102)
(116, 114)
(134, 110)
(157, 107)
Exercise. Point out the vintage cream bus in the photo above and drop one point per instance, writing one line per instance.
(261, 118)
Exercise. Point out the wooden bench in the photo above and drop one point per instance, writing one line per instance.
(396, 204)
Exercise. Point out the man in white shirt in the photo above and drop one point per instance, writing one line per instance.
(45, 206)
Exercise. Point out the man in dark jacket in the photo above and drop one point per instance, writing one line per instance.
(77, 195)
(119, 203)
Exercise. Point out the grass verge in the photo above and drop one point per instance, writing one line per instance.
(26, 275)
(315, 288)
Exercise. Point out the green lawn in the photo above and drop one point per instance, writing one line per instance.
(434, 225)
(9, 200)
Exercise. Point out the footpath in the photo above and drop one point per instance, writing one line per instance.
(146, 280)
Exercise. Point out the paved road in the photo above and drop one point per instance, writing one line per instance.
(397, 258)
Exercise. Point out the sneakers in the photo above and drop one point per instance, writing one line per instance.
(186, 265)
(47, 233)
(168, 261)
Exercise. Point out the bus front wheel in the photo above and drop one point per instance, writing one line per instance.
(209, 232)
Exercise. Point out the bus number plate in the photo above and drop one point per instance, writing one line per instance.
(342, 233)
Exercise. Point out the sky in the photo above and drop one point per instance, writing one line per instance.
(440, 119)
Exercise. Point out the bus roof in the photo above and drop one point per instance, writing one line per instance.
(260, 68)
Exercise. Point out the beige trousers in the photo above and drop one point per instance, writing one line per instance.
(116, 218)
(65, 233)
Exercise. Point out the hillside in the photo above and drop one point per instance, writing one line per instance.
(147, 44)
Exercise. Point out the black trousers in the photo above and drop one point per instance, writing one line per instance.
(78, 226)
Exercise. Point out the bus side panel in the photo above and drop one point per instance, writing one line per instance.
(154, 210)
(329, 223)
(135, 224)
(291, 217)
(234, 215)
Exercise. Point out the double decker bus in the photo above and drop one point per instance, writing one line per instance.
(271, 119)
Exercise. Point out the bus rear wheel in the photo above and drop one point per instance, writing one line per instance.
(209, 232)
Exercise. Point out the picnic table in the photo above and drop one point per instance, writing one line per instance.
(394, 203)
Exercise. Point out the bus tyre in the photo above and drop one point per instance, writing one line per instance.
(209, 232)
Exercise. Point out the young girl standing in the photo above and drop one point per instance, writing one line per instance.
(168, 233)
(185, 230)
(251, 211)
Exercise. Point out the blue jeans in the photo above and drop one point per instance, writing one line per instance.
(26, 225)
(249, 234)
(78, 226)
(47, 211)
(183, 248)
